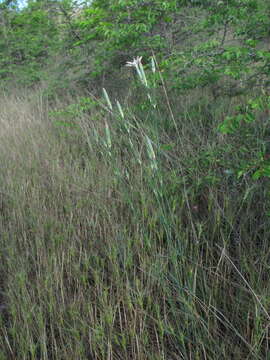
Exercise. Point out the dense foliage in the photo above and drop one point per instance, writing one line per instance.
(135, 206)
(223, 43)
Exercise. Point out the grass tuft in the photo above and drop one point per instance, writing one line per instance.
(122, 238)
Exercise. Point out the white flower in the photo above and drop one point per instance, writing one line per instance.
(135, 63)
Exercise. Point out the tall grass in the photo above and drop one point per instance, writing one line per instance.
(123, 237)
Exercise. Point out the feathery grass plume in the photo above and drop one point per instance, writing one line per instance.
(143, 76)
(120, 109)
(127, 124)
(151, 153)
(153, 65)
(107, 98)
(108, 136)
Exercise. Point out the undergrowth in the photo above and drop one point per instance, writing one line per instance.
(127, 231)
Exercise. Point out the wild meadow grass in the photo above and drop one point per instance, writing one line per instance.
(125, 233)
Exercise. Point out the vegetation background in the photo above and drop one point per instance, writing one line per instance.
(134, 199)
